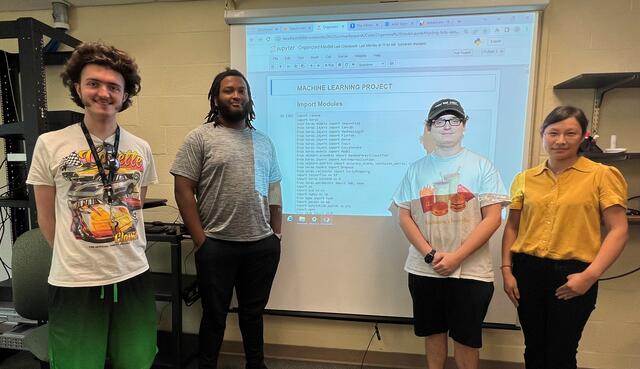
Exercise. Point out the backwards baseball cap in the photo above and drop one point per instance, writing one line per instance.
(446, 106)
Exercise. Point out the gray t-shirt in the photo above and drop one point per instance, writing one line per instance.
(233, 169)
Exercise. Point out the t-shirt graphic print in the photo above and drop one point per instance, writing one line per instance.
(94, 219)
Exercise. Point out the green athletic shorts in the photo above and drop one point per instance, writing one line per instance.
(88, 324)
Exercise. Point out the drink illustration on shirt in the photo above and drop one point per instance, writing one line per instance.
(94, 218)
(427, 198)
(444, 195)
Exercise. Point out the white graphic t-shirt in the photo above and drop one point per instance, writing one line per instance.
(445, 196)
(96, 242)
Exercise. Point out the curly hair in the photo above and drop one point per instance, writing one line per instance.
(106, 56)
(214, 91)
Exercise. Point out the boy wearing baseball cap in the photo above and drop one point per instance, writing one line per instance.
(449, 205)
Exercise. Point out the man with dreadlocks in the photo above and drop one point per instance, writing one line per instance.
(227, 186)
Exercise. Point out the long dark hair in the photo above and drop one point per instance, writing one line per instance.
(561, 113)
(214, 91)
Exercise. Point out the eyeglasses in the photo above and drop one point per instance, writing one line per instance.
(440, 122)
(112, 164)
(554, 135)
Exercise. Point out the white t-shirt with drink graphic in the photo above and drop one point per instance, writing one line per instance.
(96, 242)
(445, 196)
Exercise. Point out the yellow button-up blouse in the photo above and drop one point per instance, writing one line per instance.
(560, 216)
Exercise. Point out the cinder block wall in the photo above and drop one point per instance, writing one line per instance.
(180, 46)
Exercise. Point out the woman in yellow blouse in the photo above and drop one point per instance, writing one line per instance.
(552, 250)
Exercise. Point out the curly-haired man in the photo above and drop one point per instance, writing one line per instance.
(90, 181)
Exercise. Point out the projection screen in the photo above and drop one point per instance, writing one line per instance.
(344, 102)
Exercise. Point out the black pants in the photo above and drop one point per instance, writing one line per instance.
(552, 327)
(250, 267)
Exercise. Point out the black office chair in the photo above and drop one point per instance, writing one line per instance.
(30, 264)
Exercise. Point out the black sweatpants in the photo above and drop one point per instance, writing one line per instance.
(250, 267)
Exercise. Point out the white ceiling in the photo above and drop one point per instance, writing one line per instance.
(22, 5)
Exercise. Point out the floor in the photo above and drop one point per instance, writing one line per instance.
(24, 360)
(237, 362)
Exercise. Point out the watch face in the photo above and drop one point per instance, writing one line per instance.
(428, 258)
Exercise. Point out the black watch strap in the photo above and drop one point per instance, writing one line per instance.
(428, 258)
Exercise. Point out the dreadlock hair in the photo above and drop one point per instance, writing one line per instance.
(214, 92)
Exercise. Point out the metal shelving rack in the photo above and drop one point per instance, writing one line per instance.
(24, 109)
(602, 83)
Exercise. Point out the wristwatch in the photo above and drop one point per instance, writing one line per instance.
(428, 258)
